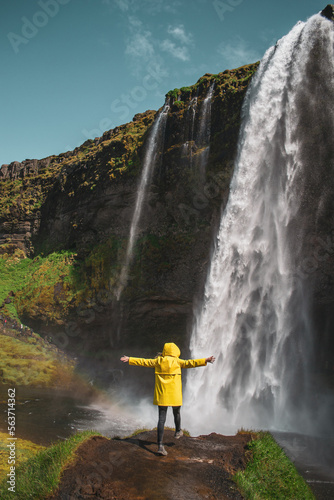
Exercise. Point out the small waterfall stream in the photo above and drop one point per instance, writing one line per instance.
(152, 148)
(192, 108)
(255, 315)
(197, 138)
(204, 133)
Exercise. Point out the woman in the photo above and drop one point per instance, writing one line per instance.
(168, 384)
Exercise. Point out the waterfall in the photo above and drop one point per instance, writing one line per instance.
(197, 145)
(255, 314)
(152, 149)
(203, 135)
(192, 108)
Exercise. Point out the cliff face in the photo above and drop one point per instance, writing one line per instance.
(70, 216)
(65, 223)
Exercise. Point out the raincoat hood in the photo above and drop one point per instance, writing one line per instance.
(171, 349)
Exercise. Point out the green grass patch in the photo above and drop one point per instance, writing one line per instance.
(31, 362)
(35, 281)
(48, 288)
(24, 450)
(45, 292)
(179, 104)
(270, 474)
(39, 476)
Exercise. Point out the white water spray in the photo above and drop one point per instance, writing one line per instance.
(152, 149)
(255, 315)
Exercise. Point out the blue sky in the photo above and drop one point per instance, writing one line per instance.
(75, 68)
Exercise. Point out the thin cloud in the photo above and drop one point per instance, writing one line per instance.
(140, 46)
(179, 43)
(180, 34)
(181, 53)
(140, 50)
(237, 53)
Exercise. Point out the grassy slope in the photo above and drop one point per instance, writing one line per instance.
(34, 281)
(31, 361)
(270, 474)
(24, 450)
(39, 476)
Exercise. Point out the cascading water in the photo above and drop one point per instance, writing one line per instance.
(192, 108)
(197, 145)
(153, 146)
(255, 314)
(203, 134)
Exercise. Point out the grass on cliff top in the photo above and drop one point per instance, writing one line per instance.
(114, 155)
(228, 79)
(24, 450)
(105, 160)
(270, 474)
(39, 476)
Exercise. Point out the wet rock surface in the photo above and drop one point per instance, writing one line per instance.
(195, 468)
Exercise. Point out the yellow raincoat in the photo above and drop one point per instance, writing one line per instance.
(168, 384)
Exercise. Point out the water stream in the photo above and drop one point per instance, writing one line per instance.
(153, 147)
(191, 113)
(255, 314)
(204, 133)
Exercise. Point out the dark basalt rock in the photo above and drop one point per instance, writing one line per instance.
(328, 12)
(19, 170)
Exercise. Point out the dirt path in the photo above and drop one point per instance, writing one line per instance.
(195, 468)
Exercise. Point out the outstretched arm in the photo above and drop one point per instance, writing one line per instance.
(193, 363)
(139, 361)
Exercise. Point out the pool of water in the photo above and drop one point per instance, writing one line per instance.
(45, 416)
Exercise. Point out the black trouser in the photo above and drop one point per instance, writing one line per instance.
(162, 420)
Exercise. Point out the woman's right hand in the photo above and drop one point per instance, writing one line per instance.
(211, 359)
(125, 359)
